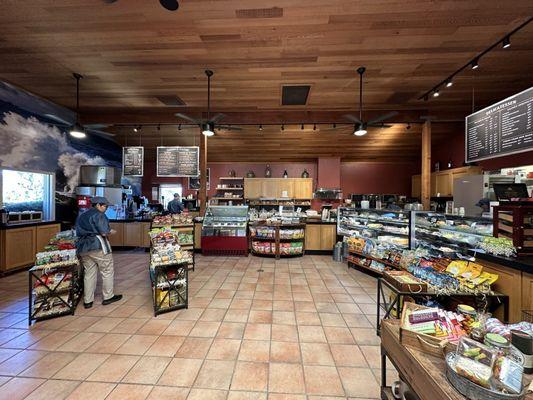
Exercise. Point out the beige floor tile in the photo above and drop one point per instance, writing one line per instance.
(250, 376)
(137, 344)
(154, 327)
(129, 392)
(330, 308)
(262, 305)
(91, 391)
(338, 334)
(283, 305)
(233, 395)
(372, 355)
(52, 342)
(311, 334)
(205, 329)
(215, 374)
(203, 394)
(329, 319)
(114, 368)
(179, 327)
(165, 346)
(236, 315)
(316, 354)
(359, 382)
(168, 393)
(348, 355)
(357, 321)
(286, 378)
(307, 318)
(260, 317)
(27, 339)
(285, 396)
(104, 324)
(21, 361)
(80, 342)
(147, 371)
(81, 367)
(305, 306)
(53, 390)
(284, 333)
(257, 332)
(194, 347)
(109, 343)
(47, 366)
(365, 336)
(323, 381)
(19, 388)
(231, 330)
(285, 352)
(213, 315)
(180, 372)
(130, 326)
(255, 350)
(284, 318)
(224, 349)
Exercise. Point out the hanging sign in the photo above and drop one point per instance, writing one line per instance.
(178, 161)
(133, 161)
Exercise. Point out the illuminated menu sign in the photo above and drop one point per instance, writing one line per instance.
(132, 161)
(501, 129)
(178, 161)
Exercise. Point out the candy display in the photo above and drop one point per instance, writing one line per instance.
(291, 248)
(263, 232)
(500, 246)
(264, 247)
(55, 258)
(65, 240)
(286, 233)
(474, 361)
(172, 220)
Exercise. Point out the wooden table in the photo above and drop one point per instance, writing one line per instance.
(426, 374)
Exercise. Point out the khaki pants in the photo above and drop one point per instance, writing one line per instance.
(92, 261)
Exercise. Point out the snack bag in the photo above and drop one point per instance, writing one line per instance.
(475, 361)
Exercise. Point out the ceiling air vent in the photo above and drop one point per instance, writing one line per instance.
(274, 12)
(173, 101)
(295, 95)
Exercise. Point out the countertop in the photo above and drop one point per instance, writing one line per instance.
(27, 224)
(320, 222)
(130, 220)
(519, 263)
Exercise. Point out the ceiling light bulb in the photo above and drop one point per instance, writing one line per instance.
(360, 132)
(436, 93)
(208, 132)
(260, 127)
(77, 131)
(314, 127)
(135, 129)
(475, 64)
(506, 42)
(449, 83)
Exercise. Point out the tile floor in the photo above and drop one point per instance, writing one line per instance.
(301, 329)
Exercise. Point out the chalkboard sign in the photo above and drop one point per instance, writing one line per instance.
(178, 161)
(132, 161)
(501, 129)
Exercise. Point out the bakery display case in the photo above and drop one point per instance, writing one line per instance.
(224, 230)
(451, 236)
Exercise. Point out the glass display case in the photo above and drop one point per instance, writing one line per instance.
(224, 230)
(385, 226)
(450, 236)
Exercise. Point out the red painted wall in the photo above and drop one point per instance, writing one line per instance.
(329, 173)
(377, 178)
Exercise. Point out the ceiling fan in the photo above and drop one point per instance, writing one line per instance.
(170, 5)
(376, 122)
(208, 125)
(77, 130)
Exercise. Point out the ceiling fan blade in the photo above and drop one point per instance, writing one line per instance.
(228, 128)
(217, 118)
(97, 126)
(353, 118)
(187, 118)
(383, 117)
(58, 119)
(379, 125)
(102, 134)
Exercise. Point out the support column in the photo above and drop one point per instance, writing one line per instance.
(426, 165)
(202, 193)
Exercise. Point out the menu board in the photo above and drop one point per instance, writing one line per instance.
(178, 161)
(501, 129)
(132, 161)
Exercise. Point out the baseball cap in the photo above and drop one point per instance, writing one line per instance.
(99, 200)
(483, 202)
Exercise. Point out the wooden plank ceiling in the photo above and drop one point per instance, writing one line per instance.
(134, 54)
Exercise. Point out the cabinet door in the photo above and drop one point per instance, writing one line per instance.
(253, 188)
(197, 235)
(118, 238)
(44, 234)
(416, 187)
(510, 283)
(443, 184)
(312, 237)
(303, 188)
(285, 185)
(328, 237)
(19, 247)
(145, 234)
(270, 188)
(132, 234)
(527, 291)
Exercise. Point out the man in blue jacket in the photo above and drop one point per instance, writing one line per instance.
(92, 229)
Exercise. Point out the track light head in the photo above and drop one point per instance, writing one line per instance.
(426, 97)
(179, 127)
(475, 64)
(314, 127)
(506, 42)
(449, 83)
(436, 93)
(282, 127)
(302, 127)
(334, 126)
(170, 5)
(408, 126)
(260, 127)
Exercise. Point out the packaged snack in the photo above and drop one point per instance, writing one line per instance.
(508, 375)
(475, 361)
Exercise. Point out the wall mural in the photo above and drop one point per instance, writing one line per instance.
(28, 142)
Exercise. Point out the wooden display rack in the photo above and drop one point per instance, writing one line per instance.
(514, 222)
(277, 239)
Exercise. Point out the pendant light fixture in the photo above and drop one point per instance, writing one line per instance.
(208, 129)
(506, 42)
(170, 5)
(77, 131)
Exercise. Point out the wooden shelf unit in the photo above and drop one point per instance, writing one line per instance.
(442, 181)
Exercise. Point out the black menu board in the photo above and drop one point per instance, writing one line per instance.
(132, 161)
(178, 161)
(501, 129)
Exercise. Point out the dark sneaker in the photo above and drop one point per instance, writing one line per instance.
(88, 305)
(116, 297)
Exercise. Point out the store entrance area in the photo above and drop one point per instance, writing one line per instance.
(256, 328)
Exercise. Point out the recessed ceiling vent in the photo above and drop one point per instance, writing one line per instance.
(274, 12)
(295, 95)
(173, 101)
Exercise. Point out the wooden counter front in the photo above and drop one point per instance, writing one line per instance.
(320, 237)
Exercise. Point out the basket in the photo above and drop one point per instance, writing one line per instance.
(425, 343)
(473, 391)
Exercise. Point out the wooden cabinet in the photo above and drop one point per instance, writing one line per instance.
(145, 234)
(43, 235)
(296, 188)
(328, 237)
(527, 291)
(132, 234)
(509, 283)
(312, 237)
(18, 248)
(442, 181)
(443, 184)
(118, 238)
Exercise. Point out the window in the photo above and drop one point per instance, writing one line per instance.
(166, 193)
(27, 191)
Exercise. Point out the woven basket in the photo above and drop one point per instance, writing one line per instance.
(473, 391)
